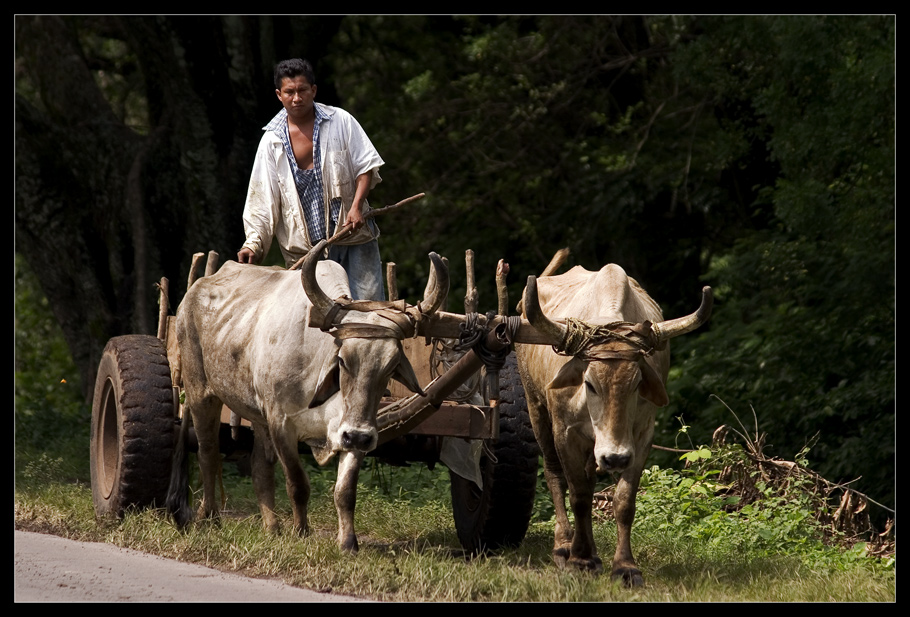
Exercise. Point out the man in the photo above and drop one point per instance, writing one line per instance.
(313, 171)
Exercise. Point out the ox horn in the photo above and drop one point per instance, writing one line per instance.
(437, 286)
(671, 328)
(321, 302)
(534, 314)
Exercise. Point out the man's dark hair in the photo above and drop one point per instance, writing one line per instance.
(295, 67)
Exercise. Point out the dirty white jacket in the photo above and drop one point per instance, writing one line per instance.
(273, 209)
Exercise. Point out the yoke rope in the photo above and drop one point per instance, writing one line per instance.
(581, 337)
(402, 324)
(473, 335)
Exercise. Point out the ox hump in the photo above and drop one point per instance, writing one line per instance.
(602, 296)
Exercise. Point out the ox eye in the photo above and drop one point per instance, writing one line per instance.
(590, 387)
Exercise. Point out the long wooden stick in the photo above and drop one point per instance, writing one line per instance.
(346, 229)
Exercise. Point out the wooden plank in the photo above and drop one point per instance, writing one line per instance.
(459, 420)
(418, 353)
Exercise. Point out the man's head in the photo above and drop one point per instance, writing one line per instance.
(295, 67)
(295, 88)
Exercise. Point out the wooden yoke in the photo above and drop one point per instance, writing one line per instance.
(399, 418)
(405, 414)
(402, 416)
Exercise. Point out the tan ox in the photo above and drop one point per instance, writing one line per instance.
(592, 405)
(245, 342)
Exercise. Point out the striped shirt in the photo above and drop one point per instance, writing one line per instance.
(308, 181)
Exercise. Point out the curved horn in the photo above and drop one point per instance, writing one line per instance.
(437, 286)
(671, 328)
(321, 302)
(534, 314)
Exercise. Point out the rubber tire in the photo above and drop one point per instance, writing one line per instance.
(133, 426)
(498, 516)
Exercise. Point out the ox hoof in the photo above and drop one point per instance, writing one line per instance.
(182, 518)
(590, 564)
(561, 556)
(630, 577)
(272, 528)
(349, 545)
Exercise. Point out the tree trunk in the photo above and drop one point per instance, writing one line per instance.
(103, 209)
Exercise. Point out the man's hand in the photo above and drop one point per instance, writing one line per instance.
(246, 256)
(355, 217)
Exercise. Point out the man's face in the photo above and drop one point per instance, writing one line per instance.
(296, 94)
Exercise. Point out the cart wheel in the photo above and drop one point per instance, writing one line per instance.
(498, 516)
(133, 426)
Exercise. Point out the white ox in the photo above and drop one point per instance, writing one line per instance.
(245, 342)
(593, 404)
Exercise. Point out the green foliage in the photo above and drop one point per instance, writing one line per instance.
(48, 403)
(697, 505)
(804, 323)
(511, 128)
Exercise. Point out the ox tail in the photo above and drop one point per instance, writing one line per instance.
(177, 503)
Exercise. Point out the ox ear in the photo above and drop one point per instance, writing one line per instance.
(652, 386)
(566, 387)
(570, 375)
(404, 374)
(328, 383)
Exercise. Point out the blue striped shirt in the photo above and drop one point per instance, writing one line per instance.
(308, 181)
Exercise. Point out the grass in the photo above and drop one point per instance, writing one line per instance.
(410, 552)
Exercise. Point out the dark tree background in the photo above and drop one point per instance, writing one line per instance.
(134, 141)
(754, 154)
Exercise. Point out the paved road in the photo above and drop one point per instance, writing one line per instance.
(53, 569)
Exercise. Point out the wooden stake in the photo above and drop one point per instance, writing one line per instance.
(194, 264)
(391, 280)
(470, 294)
(211, 264)
(162, 308)
(502, 292)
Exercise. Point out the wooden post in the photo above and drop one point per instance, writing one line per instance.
(559, 258)
(162, 308)
(211, 264)
(194, 265)
(502, 292)
(470, 294)
(391, 279)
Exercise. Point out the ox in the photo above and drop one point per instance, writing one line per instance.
(592, 398)
(245, 342)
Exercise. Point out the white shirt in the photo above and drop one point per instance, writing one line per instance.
(273, 209)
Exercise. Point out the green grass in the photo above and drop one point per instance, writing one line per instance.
(410, 552)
